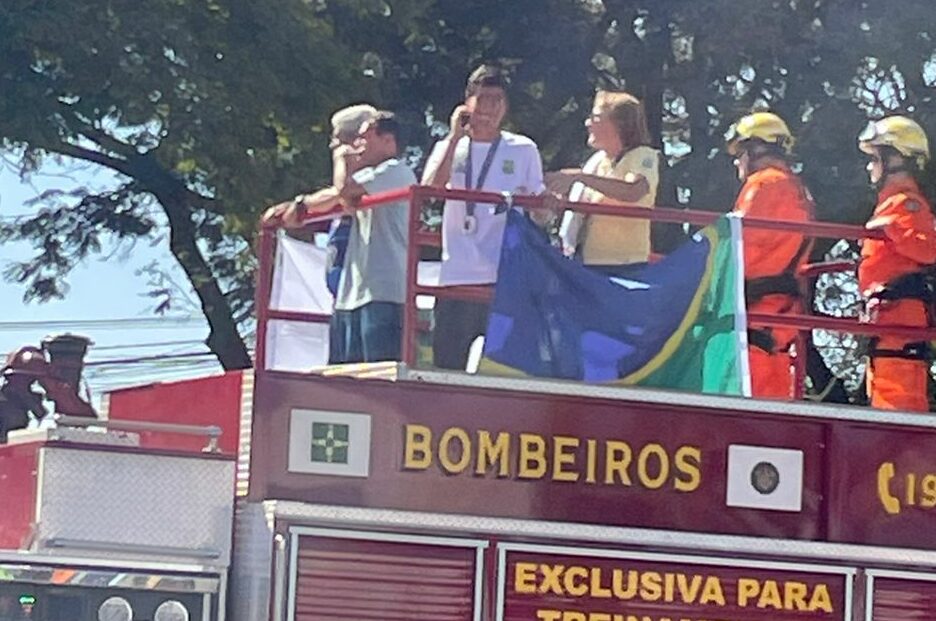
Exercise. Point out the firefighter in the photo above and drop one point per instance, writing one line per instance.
(762, 144)
(892, 275)
(18, 400)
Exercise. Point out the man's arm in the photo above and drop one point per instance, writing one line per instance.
(439, 170)
(319, 202)
(909, 228)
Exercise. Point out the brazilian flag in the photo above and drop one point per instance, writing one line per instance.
(679, 323)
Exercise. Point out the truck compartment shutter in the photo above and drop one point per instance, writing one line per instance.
(359, 580)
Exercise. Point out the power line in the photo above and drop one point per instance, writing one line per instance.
(147, 359)
(103, 324)
(144, 345)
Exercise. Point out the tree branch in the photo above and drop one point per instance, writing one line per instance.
(224, 339)
(81, 153)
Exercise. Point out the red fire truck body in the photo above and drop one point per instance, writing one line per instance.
(427, 495)
(487, 498)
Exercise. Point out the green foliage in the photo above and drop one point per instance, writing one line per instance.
(212, 109)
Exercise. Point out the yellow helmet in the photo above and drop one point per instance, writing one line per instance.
(902, 134)
(764, 126)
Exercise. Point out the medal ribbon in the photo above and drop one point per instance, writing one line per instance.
(485, 167)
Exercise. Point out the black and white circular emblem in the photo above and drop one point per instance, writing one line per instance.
(765, 477)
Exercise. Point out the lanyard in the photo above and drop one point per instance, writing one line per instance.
(485, 167)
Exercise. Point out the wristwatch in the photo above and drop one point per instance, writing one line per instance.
(300, 206)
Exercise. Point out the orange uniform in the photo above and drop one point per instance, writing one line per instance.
(773, 192)
(906, 218)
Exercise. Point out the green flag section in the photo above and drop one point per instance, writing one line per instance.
(678, 324)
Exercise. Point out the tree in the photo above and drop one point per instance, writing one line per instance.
(222, 108)
(207, 110)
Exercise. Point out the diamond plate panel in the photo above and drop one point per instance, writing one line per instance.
(119, 501)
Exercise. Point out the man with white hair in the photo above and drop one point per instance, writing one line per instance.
(346, 124)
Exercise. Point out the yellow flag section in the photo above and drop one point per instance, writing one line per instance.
(550, 587)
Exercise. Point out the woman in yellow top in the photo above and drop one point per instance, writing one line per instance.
(624, 169)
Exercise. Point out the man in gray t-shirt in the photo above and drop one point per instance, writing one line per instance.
(368, 317)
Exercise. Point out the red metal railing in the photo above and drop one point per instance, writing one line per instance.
(420, 238)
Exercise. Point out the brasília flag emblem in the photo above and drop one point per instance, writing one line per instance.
(329, 442)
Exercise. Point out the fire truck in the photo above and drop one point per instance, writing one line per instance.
(389, 491)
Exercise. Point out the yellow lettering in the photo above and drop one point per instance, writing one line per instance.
(643, 472)
(571, 615)
(890, 502)
(552, 579)
(561, 457)
(618, 457)
(525, 577)
(911, 490)
(548, 615)
(821, 600)
(590, 459)
(617, 584)
(493, 453)
(651, 588)
(770, 596)
(748, 589)
(794, 596)
(599, 616)
(575, 581)
(689, 465)
(417, 454)
(668, 586)
(597, 589)
(445, 448)
(712, 592)
(688, 591)
(532, 456)
(928, 487)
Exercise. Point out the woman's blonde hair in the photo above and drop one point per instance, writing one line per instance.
(627, 114)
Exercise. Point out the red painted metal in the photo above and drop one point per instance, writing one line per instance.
(827, 267)
(886, 493)
(545, 587)
(474, 293)
(420, 237)
(899, 599)
(410, 311)
(262, 296)
(811, 322)
(214, 400)
(840, 501)
(298, 316)
(19, 465)
(382, 581)
(659, 504)
(663, 214)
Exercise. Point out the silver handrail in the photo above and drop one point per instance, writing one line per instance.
(212, 432)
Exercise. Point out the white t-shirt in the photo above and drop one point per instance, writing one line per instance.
(472, 258)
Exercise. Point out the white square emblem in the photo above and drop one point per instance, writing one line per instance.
(330, 443)
(763, 477)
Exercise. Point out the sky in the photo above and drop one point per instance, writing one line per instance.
(106, 300)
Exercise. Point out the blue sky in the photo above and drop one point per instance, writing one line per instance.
(103, 289)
